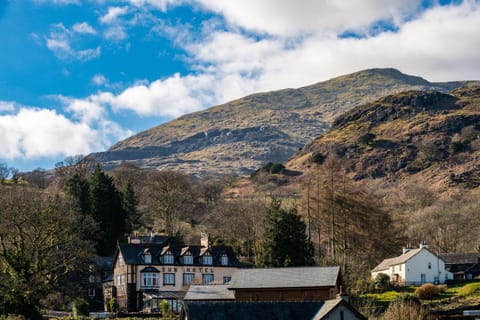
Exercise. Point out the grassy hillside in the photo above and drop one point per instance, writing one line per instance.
(240, 136)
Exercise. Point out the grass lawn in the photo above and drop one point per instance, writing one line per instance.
(456, 295)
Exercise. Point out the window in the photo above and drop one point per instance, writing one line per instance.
(207, 278)
(168, 279)
(207, 260)
(168, 258)
(224, 260)
(188, 259)
(400, 267)
(423, 278)
(91, 292)
(429, 265)
(226, 280)
(120, 280)
(188, 278)
(149, 279)
(91, 278)
(342, 316)
(147, 258)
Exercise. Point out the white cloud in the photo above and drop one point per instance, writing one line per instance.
(83, 27)
(173, 96)
(99, 79)
(115, 33)
(59, 2)
(289, 17)
(113, 14)
(59, 42)
(36, 133)
(7, 106)
(230, 65)
(160, 4)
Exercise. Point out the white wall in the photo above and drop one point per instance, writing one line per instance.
(419, 264)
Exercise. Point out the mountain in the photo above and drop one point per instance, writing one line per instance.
(239, 136)
(415, 137)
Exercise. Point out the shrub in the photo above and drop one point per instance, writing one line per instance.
(427, 291)
(442, 288)
(471, 289)
(406, 310)
(318, 158)
(367, 139)
(113, 305)
(80, 307)
(382, 282)
(363, 286)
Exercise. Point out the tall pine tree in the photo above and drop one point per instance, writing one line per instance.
(284, 242)
(108, 211)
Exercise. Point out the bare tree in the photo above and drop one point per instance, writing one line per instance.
(4, 172)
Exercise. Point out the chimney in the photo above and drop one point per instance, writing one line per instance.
(204, 240)
(407, 249)
(343, 296)
(423, 245)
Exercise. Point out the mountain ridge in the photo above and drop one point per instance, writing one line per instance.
(239, 136)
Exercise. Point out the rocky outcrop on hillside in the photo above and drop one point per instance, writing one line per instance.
(417, 135)
(242, 135)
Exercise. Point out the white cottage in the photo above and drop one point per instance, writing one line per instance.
(414, 266)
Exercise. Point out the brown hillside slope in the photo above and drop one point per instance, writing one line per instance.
(413, 137)
(241, 135)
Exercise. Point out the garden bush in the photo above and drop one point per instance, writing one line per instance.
(427, 291)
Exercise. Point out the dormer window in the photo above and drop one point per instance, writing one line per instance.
(224, 260)
(147, 257)
(207, 259)
(168, 258)
(187, 258)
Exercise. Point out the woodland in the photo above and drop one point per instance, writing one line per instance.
(54, 222)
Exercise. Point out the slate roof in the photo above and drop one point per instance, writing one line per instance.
(133, 253)
(209, 292)
(296, 277)
(229, 310)
(460, 258)
(330, 305)
(387, 263)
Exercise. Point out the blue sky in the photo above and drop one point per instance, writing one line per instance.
(78, 76)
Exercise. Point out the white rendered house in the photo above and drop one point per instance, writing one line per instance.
(414, 266)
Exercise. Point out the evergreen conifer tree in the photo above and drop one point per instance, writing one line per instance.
(284, 242)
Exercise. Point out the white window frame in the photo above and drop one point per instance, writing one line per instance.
(187, 259)
(188, 278)
(207, 260)
(169, 279)
(147, 257)
(168, 258)
(208, 278)
(149, 280)
(224, 260)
